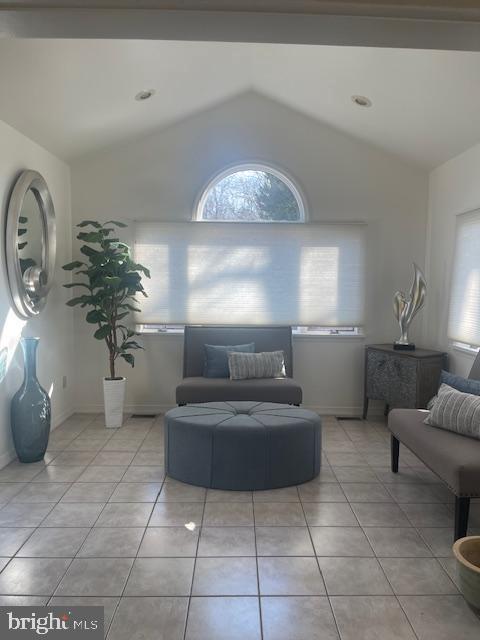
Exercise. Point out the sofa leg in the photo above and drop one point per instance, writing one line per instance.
(394, 453)
(462, 508)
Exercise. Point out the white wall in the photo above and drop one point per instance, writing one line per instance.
(454, 188)
(160, 176)
(54, 326)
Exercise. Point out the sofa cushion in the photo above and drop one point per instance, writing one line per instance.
(198, 389)
(216, 358)
(453, 457)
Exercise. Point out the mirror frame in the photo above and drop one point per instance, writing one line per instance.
(24, 305)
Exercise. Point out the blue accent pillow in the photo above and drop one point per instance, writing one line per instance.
(465, 385)
(216, 358)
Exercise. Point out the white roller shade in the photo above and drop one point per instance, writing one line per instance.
(464, 320)
(241, 274)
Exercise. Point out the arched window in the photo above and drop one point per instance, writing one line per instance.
(251, 193)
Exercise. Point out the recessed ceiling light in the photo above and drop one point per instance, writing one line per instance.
(144, 95)
(362, 101)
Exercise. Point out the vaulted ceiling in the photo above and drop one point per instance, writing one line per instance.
(76, 96)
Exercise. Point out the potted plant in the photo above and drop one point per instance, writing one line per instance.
(112, 280)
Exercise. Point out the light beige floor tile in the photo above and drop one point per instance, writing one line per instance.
(213, 618)
(417, 576)
(41, 492)
(172, 492)
(62, 542)
(171, 514)
(149, 618)
(32, 576)
(290, 576)
(379, 515)
(89, 492)
(225, 577)
(391, 542)
(321, 492)
(371, 618)
(340, 542)
(441, 617)
(299, 617)
(136, 492)
(278, 514)
(227, 541)
(125, 514)
(23, 515)
(366, 492)
(329, 514)
(169, 542)
(112, 542)
(217, 495)
(69, 514)
(12, 538)
(102, 474)
(224, 514)
(95, 577)
(354, 577)
(287, 494)
(283, 541)
(160, 577)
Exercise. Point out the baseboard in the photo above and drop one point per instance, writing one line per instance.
(61, 417)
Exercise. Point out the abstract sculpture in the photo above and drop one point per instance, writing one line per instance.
(405, 308)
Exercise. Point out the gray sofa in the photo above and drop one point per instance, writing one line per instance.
(454, 458)
(195, 388)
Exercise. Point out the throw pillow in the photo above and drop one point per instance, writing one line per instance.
(465, 385)
(456, 411)
(216, 358)
(270, 364)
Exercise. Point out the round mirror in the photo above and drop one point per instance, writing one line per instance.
(30, 243)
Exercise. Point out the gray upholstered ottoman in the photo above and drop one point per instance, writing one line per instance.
(242, 445)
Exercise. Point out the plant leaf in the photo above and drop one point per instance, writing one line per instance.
(91, 223)
(117, 223)
(102, 333)
(128, 358)
(73, 265)
(95, 316)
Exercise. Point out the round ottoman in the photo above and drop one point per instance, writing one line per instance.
(242, 445)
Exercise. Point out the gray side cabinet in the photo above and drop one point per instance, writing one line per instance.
(406, 379)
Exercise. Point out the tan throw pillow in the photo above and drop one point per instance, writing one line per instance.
(270, 364)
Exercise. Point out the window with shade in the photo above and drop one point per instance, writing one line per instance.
(464, 316)
(311, 275)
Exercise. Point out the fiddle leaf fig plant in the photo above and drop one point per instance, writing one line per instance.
(111, 280)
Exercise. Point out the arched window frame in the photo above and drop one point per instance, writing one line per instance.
(251, 166)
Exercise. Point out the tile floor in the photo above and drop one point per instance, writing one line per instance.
(357, 554)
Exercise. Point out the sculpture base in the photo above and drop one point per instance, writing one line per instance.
(404, 347)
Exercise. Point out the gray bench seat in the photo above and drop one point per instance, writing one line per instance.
(453, 457)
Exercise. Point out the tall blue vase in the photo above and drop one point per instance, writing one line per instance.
(30, 410)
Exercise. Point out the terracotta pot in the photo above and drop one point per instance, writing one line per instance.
(467, 553)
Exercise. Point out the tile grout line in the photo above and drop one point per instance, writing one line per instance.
(187, 613)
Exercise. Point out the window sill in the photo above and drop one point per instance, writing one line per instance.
(465, 349)
(295, 336)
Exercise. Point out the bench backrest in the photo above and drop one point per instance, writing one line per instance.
(475, 370)
(265, 339)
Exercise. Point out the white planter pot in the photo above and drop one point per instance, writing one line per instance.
(113, 397)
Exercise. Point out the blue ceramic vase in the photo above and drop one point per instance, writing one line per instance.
(30, 410)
